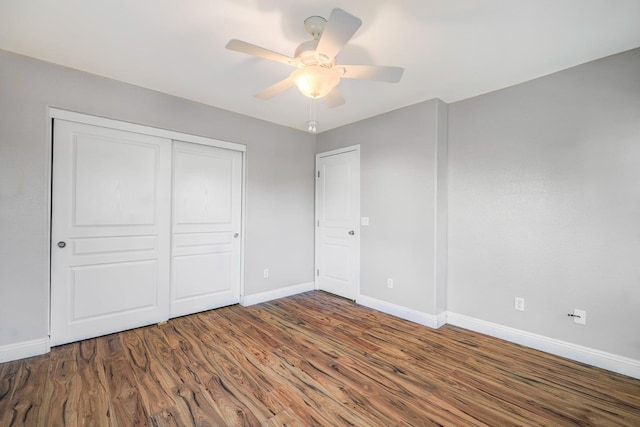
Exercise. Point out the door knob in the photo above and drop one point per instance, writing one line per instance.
(236, 235)
(352, 232)
(61, 244)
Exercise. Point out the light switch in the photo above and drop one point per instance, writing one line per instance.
(364, 221)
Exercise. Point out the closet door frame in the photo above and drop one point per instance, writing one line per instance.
(56, 113)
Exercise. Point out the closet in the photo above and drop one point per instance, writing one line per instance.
(145, 226)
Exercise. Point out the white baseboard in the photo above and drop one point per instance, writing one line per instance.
(24, 349)
(601, 359)
(441, 319)
(401, 311)
(248, 300)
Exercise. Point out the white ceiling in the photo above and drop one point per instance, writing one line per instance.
(451, 50)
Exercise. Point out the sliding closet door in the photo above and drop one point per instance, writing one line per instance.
(110, 231)
(206, 224)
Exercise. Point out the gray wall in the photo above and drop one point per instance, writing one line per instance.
(544, 203)
(280, 186)
(398, 186)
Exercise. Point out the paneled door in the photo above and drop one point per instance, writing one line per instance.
(110, 230)
(205, 267)
(337, 222)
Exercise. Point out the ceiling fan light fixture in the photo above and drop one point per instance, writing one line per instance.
(315, 81)
(318, 74)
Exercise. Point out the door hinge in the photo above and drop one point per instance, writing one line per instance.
(317, 272)
(318, 223)
(318, 174)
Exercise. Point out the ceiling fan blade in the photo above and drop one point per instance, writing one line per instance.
(251, 49)
(334, 98)
(275, 89)
(381, 73)
(338, 30)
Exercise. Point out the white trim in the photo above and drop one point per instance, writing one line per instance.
(400, 311)
(441, 319)
(248, 300)
(338, 151)
(601, 359)
(436, 205)
(72, 116)
(243, 219)
(24, 349)
(48, 170)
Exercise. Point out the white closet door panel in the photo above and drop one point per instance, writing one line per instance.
(207, 184)
(109, 245)
(203, 188)
(111, 215)
(98, 290)
(203, 274)
(114, 181)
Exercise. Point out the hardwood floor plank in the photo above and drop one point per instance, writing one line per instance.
(276, 364)
(515, 389)
(344, 386)
(232, 410)
(109, 346)
(126, 400)
(8, 375)
(26, 379)
(152, 381)
(215, 361)
(61, 392)
(316, 394)
(96, 410)
(284, 418)
(178, 363)
(304, 324)
(270, 391)
(165, 363)
(307, 348)
(201, 410)
(166, 418)
(323, 368)
(312, 359)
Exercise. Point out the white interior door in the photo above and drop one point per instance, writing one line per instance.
(110, 231)
(207, 188)
(337, 222)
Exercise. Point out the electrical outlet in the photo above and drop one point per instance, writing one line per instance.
(519, 304)
(579, 316)
(389, 282)
(364, 221)
(265, 273)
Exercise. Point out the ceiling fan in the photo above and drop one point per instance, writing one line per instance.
(317, 73)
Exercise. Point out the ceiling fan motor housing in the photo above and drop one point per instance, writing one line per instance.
(306, 54)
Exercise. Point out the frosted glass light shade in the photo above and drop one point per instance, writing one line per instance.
(315, 81)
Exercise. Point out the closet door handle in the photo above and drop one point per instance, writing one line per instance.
(61, 244)
(236, 235)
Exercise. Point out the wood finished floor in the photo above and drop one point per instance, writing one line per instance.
(311, 359)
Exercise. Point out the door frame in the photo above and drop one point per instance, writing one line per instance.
(316, 227)
(71, 116)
